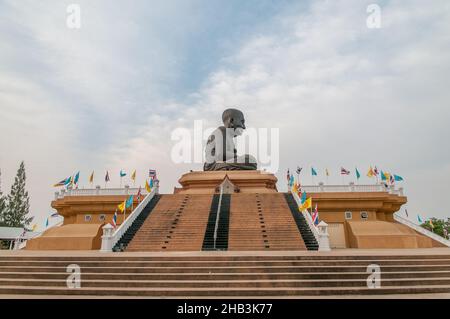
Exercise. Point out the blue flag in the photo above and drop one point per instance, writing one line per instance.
(398, 178)
(129, 202)
(419, 219)
(313, 172)
(122, 173)
(76, 178)
(358, 175)
(303, 198)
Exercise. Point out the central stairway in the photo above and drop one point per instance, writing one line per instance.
(221, 274)
(246, 222)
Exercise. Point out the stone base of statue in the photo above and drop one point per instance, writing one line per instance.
(245, 181)
(242, 163)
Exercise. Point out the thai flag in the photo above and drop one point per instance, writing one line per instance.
(344, 171)
(152, 173)
(315, 216)
(375, 171)
(114, 220)
(138, 196)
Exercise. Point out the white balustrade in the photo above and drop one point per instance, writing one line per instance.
(422, 230)
(100, 192)
(111, 237)
(321, 188)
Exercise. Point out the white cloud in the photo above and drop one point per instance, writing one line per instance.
(341, 94)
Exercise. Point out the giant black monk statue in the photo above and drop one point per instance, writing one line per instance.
(220, 148)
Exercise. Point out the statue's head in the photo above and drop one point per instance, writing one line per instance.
(234, 119)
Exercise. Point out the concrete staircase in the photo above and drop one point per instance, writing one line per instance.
(262, 222)
(178, 223)
(223, 275)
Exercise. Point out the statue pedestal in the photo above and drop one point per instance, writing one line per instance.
(246, 181)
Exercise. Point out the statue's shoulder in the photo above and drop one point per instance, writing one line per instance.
(220, 131)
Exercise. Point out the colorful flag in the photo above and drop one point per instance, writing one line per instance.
(107, 176)
(151, 183)
(307, 204)
(398, 178)
(299, 188)
(375, 171)
(122, 173)
(54, 215)
(91, 178)
(114, 220)
(138, 196)
(63, 182)
(358, 175)
(431, 224)
(288, 176)
(419, 219)
(133, 176)
(295, 188)
(344, 171)
(383, 176)
(76, 178)
(391, 179)
(122, 206)
(299, 170)
(34, 227)
(327, 172)
(315, 216)
(406, 211)
(46, 223)
(370, 173)
(147, 187)
(152, 173)
(129, 202)
(303, 198)
(291, 181)
(313, 172)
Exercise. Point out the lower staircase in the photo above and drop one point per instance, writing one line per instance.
(222, 275)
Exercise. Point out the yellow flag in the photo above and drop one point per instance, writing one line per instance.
(327, 172)
(147, 187)
(34, 227)
(431, 224)
(370, 173)
(122, 206)
(91, 178)
(388, 176)
(307, 204)
(133, 176)
(295, 188)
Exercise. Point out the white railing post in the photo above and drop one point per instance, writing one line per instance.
(107, 238)
(324, 237)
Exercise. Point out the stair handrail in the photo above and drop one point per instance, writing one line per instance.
(308, 217)
(421, 230)
(110, 238)
(216, 227)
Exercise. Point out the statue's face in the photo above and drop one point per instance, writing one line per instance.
(234, 119)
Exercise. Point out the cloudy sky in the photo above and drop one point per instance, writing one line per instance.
(109, 95)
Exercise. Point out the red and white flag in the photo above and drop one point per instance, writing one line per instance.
(315, 216)
(344, 171)
(138, 196)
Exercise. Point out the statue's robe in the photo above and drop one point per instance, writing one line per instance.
(221, 154)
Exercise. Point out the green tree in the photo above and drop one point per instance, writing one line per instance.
(439, 225)
(2, 202)
(18, 205)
